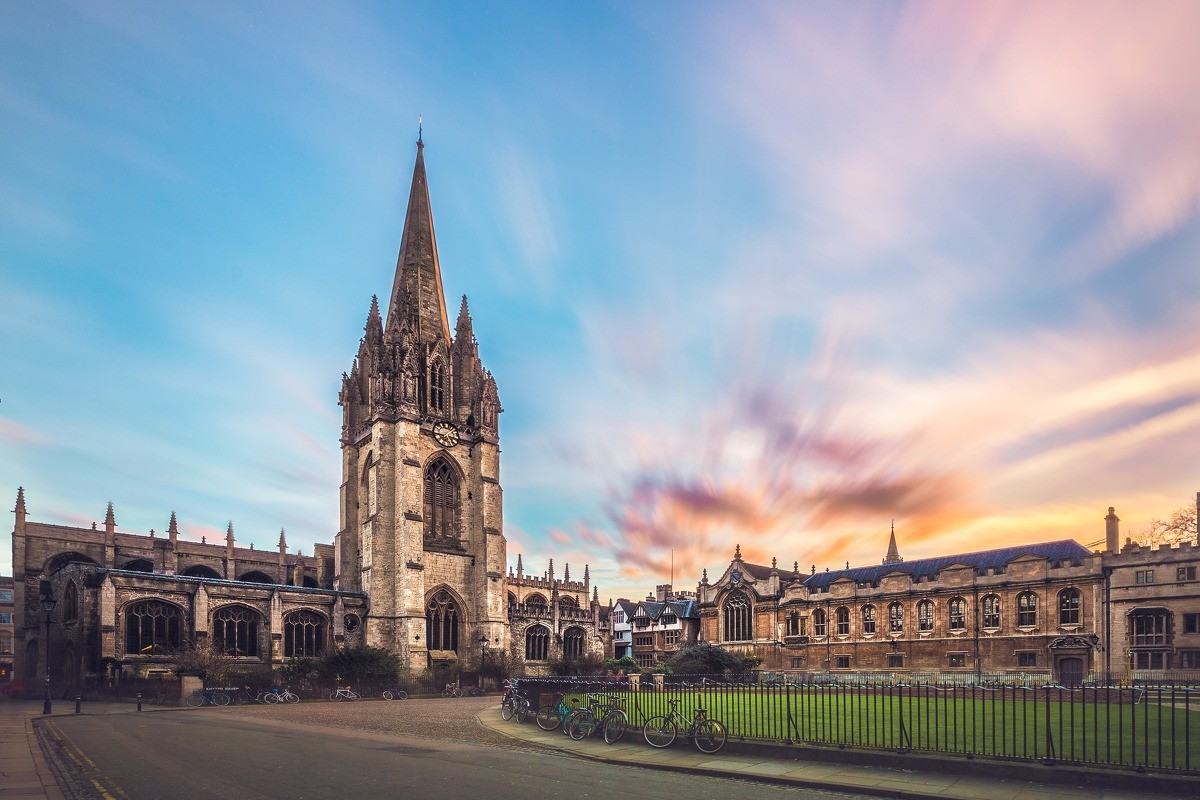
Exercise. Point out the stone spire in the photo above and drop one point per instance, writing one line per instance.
(520, 568)
(110, 523)
(418, 272)
(737, 552)
(893, 553)
(566, 572)
(20, 510)
(173, 530)
(550, 573)
(463, 331)
(282, 541)
(587, 579)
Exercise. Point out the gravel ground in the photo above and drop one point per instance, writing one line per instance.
(435, 718)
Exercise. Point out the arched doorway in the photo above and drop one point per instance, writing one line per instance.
(1071, 670)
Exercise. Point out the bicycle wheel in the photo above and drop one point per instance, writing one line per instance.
(547, 718)
(522, 712)
(387, 694)
(583, 725)
(614, 728)
(569, 720)
(709, 736)
(221, 699)
(506, 710)
(195, 700)
(270, 699)
(291, 697)
(660, 732)
(335, 696)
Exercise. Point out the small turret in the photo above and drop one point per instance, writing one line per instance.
(20, 511)
(173, 530)
(893, 553)
(110, 523)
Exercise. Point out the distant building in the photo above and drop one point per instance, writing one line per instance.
(1050, 609)
(6, 629)
(661, 626)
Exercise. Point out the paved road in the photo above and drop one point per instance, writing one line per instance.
(326, 750)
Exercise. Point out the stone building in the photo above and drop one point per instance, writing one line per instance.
(662, 625)
(418, 565)
(1052, 609)
(6, 629)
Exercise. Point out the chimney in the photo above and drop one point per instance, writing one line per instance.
(1112, 535)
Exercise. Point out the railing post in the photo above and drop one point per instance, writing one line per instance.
(78, 703)
(139, 701)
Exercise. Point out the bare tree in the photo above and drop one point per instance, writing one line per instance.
(1179, 527)
(210, 664)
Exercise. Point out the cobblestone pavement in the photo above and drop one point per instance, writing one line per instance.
(433, 718)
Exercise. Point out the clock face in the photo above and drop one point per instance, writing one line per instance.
(445, 434)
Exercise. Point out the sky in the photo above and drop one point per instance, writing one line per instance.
(772, 274)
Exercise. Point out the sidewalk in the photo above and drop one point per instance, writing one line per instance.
(23, 771)
(869, 780)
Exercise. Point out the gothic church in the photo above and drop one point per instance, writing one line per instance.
(418, 565)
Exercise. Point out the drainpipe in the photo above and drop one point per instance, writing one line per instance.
(1107, 625)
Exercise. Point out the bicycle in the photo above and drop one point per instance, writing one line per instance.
(343, 693)
(550, 717)
(286, 696)
(394, 694)
(603, 714)
(451, 690)
(212, 697)
(707, 734)
(515, 705)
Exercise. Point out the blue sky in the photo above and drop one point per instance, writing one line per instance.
(772, 274)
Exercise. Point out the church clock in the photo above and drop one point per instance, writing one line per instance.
(445, 434)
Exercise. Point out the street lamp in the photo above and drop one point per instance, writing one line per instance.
(483, 646)
(48, 603)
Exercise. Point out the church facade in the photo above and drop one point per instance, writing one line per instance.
(418, 565)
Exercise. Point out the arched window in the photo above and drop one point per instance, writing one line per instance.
(895, 618)
(200, 571)
(70, 603)
(818, 618)
(793, 624)
(235, 631)
(441, 503)
(256, 576)
(925, 615)
(441, 622)
(991, 611)
(1068, 607)
(868, 619)
(958, 614)
(842, 616)
(437, 386)
(573, 642)
(1026, 610)
(152, 627)
(738, 623)
(535, 604)
(140, 565)
(537, 643)
(567, 605)
(303, 635)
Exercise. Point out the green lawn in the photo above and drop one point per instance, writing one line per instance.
(1079, 727)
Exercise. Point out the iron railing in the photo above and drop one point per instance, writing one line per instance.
(1130, 727)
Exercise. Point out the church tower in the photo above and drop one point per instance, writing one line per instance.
(421, 504)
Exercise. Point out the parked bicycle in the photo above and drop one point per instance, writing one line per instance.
(211, 697)
(550, 717)
(603, 713)
(515, 705)
(277, 696)
(394, 694)
(452, 690)
(343, 693)
(707, 734)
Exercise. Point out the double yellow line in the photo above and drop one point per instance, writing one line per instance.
(85, 765)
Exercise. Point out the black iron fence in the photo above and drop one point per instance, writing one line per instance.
(1132, 727)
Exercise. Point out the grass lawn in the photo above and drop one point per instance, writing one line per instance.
(1086, 727)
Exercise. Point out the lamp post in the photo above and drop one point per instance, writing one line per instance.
(483, 646)
(48, 603)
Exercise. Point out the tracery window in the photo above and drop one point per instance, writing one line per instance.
(868, 619)
(437, 386)
(925, 615)
(991, 611)
(235, 631)
(303, 634)
(152, 627)
(573, 642)
(895, 618)
(441, 502)
(958, 614)
(842, 617)
(1026, 609)
(537, 643)
(818, 618)
(441, 622)
(70, 602)
(1068, 606)
(738, 623)
(535, 604)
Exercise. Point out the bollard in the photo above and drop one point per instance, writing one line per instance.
(139, 696)
(78, 703)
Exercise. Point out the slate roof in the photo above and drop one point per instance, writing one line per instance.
(1065, 550)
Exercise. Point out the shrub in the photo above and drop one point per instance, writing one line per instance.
(372, 666)
(623, 664)
(707, 659)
